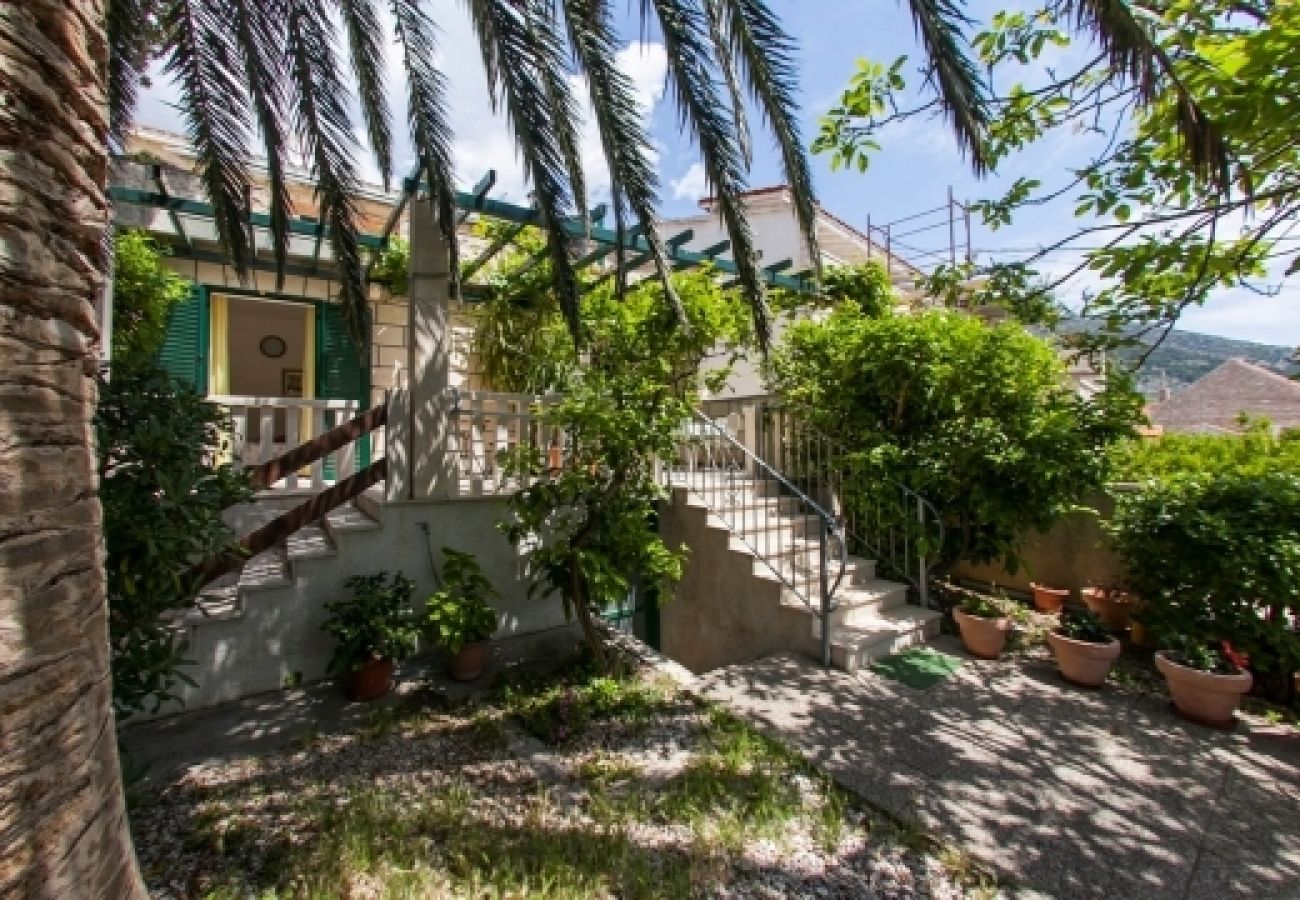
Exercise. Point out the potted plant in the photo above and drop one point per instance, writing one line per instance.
(375, 629)
(1049, 599)
(984, 626)
(1112, 605)
(1205, 680)
(459, 617)
(1083, 648)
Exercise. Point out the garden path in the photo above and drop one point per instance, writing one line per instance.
(1065, 792)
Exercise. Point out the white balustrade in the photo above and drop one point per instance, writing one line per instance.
(488, 425)
(263, 428)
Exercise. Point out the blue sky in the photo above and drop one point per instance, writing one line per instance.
(918, 162)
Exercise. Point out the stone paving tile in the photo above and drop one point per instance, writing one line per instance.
(1067, 792)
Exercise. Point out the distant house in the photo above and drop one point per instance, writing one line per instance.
(1216, 402)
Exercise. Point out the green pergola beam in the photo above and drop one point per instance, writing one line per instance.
(781, 266)
(497, 209)
(710, 253)
(176, 220)
(481, 189)
(305, 227)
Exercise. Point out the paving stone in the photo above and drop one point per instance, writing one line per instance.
(1065, 792)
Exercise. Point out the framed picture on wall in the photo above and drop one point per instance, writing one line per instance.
(291, 382)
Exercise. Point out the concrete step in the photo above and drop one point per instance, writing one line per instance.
(893, 631)
(350, 517)
(311, 542)
(797, 525)
(266, 571)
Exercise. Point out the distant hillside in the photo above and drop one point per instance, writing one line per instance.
(1187, 355)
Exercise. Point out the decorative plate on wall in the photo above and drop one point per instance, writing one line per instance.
(273, 346)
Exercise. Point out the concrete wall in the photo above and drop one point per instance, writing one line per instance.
(720, 614)
(1074, 553)
(278, 638)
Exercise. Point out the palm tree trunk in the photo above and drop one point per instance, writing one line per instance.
(62, 816)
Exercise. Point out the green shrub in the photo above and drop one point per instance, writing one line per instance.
(983, 607)
(1083, 625)
(162, 498)
(978, 419)
(459, 612)
(392, 266)
(1202, 656)
(376, 622)
(1254, 452)
(1218, 558)
(145, 291)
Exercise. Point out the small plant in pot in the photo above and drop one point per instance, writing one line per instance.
(1049, 599)
(984, 625)
(1206, 680)
(375, 629)
(1083, 648)
(460, 618)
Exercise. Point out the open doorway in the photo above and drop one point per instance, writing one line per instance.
(269, 354)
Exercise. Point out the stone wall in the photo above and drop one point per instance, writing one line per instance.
(1073, 553)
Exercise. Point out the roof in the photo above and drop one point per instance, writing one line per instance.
(1215, 402)
(854, 231)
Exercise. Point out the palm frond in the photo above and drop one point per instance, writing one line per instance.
(366, 48)
(428, 117)
(693, 77)
(722, 33)
(204, 59)
(514, 48)
(129, 25)
(564, 107)
(768, 53)
(259, 29)
(324, 131)
(1133, 51)
(962, 91)
(634, 182)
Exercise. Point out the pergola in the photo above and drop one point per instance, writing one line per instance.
(192, 235)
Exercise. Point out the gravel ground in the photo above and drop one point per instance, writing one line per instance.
(471, 789)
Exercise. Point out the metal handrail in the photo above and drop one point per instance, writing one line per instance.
(726, 462)
(799, 444)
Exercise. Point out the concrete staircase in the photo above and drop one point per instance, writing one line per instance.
(259, 629)
(770, 532)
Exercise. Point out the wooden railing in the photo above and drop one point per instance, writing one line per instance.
(264, 429)
(486, 425)
(340, 438)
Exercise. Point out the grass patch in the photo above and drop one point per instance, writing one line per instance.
(430, 814)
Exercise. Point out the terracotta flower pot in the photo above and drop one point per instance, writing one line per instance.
(1204, 697)
(1049, 600)
(372, 681)
(984, 638)
(470, 662)
(1113, 606)
(1083, 662)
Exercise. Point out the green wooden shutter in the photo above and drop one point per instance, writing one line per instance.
(341, 371)
(184, 350)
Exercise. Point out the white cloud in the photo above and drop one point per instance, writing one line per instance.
(693, 185)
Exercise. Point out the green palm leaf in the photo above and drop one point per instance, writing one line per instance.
(259, 29)
(693, 76)
(634, 183)
(324, 130)
(428, 118)
(515, 49)
(204, 59)
(756, 38)
(365, 46)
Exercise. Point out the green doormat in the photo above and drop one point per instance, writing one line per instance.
(920, 667)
